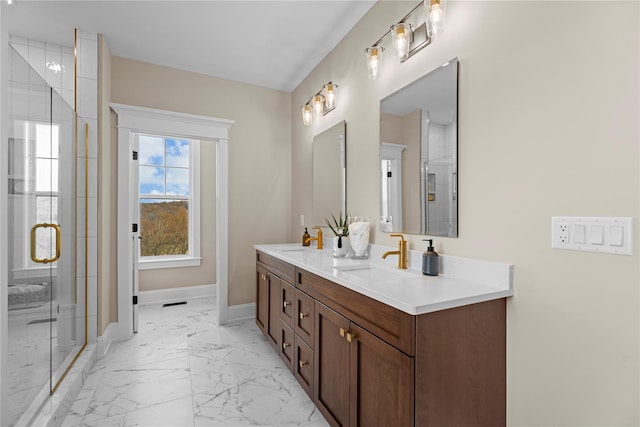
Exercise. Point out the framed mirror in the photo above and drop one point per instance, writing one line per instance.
(330, 173)
(419, 156)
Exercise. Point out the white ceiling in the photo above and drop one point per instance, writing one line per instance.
(274, 44)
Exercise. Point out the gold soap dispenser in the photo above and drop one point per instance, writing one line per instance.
(306, 238)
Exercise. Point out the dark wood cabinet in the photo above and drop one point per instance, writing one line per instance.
(304, 316)
(360, 379)
(287, 345)
(262, 299)
(380, 382)
(303, 367)
(332, 365)
(287, 298)
(365, 363)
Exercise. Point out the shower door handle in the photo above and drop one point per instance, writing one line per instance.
(33, 243)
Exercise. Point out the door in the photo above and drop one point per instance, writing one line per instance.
(331, 376)
(381, 383)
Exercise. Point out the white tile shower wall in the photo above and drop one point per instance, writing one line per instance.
(54, 63)
(87, 98)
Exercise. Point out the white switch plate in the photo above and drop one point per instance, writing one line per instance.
(613, 235)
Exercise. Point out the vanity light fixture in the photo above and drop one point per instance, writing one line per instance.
(410, 35)
(401, 35)
(307, 114)
(320, 104)
(374, 60)
(329, 93)
(435, 18)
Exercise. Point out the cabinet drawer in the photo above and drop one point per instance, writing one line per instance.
(280, 268)
(392, 325)
(303, 367)
(287, 298)
(304, 316)
(287, 346)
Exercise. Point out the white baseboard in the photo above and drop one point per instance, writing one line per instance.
(103, 342)
(176, 294)
(241, 312)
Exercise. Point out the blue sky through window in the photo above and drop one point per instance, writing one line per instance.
(163, 166)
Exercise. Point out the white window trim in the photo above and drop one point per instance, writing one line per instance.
(132, 119)
(193, 259)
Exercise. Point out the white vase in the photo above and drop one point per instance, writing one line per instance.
(359, 227)
(341, 247)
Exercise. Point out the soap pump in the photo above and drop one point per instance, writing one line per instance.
(430, 260)
(305, 238)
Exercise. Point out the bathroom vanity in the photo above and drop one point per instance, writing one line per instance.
(376, 346)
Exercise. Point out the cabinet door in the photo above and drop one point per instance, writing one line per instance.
(273, 327)
(331, 375)
(304, 317)
(287, 345)
(381, 382)
(303, 367)
(262, 299)
(287, 297)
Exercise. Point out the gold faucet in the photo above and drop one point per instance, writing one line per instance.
(318, 238)
(401, 252)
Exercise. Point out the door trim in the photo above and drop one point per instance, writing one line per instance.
(207, 129)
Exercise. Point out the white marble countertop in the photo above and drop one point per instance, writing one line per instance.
(462, 280)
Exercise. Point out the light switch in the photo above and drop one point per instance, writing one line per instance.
(603, 235)
(580, 234)
(615, 235)
(597, 235)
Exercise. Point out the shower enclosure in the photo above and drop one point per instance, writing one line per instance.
(47, 205)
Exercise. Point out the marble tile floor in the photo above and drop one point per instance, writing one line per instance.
(181, 369)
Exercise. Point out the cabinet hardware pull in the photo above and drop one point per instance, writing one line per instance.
(303, 363)
(350, 336)
(285, 345)
(263, 277)
(286, 304)
(303, 315)
(342, 332)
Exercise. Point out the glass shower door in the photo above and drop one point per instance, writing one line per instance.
(46, 280)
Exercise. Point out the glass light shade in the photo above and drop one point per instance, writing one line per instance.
(329, 92)
(307, 114)
(374, 60)
(401, 36)
(435, 16)
(318, 104)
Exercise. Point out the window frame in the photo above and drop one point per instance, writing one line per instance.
(193, 258)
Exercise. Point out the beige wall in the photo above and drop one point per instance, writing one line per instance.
(205, 274)
(259, 152)
(107, 284)
(548, 125)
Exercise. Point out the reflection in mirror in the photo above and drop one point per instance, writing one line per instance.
(329, 173)
(418, 155)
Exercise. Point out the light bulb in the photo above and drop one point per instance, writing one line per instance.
(401, 39)
(435, 20)
(329, 92)
(318, 104)
(307, 114)
(374, 61)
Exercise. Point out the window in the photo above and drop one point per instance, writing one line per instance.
(168, 201)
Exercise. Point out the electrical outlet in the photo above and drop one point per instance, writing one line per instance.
(563, 233)
(559, 232)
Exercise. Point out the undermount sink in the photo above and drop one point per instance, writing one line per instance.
(374, 272)
(292, 250)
